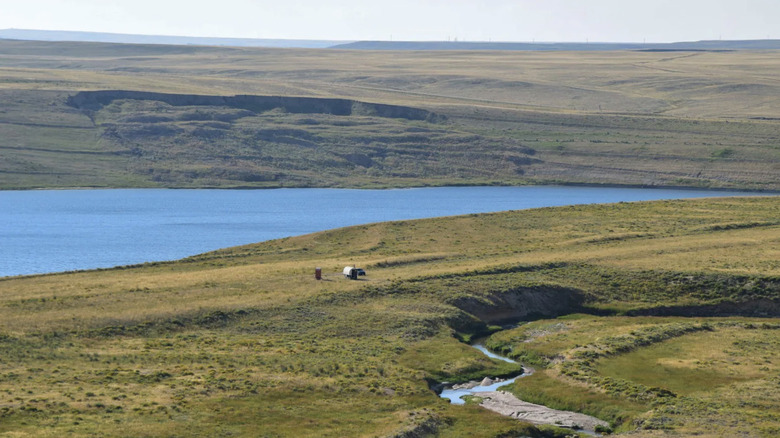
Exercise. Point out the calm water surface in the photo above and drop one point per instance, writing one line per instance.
(60, 230)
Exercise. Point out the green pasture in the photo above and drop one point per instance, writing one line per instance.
(659, 317)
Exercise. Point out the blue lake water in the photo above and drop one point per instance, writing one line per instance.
(45, 231)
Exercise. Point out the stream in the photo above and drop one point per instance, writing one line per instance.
(455, 392)
(507, 404)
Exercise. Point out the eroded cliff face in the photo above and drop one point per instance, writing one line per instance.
(95, 100)
(547, 302)
(521, 304)
(187, 140)
(760, 307)
(527, 303)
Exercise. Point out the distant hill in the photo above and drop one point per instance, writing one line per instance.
(544, 46)
(62, 35)
(102, 37)
(214, 116)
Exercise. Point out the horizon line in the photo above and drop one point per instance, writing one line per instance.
(347, 41)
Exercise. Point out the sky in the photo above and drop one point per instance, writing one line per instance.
(409, 20)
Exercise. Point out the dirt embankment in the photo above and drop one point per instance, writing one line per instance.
(761, 308)
(422, 425)
(552, 301)
(94, 100)
(521, 303)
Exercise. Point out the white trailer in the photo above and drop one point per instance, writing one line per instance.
(350, 272)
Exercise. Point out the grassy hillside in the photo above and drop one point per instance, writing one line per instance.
(699, 119)
(245, 341)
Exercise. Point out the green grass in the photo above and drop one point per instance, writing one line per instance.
(244, 341)
(642, 314)
(650, 373)
(542, 389)
(691, 364)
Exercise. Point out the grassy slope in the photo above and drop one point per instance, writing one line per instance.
(689, 376)
(245, 341)
(702, 119)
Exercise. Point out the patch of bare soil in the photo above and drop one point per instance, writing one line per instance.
(507, 404)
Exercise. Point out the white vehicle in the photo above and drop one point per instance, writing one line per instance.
(352, 272)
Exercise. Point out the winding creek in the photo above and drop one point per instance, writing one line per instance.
(505, 403)
(455, 392)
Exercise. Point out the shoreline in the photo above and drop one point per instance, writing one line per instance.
(421, 186)
(581, 195)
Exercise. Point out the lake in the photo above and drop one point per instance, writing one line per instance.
(46, 231)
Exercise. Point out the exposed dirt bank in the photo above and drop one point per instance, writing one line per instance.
(507, 404)
(522, 304)
(94, 100)
(762, 308)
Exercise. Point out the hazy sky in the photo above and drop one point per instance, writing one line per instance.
(472, 20)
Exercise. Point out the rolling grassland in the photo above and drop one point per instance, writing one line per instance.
(658, 317)
(693, 119)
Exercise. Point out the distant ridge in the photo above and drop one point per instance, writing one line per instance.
(563, 46)
(64, 35)
(102, 37)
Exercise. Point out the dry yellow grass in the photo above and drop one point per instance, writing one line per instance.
(667, 235)
(737, 84)
(705, 119)
(156, 348)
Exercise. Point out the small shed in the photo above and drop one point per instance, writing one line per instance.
(351, 272)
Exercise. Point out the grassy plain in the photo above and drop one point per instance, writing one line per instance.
(695, 119)
(245, 342)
